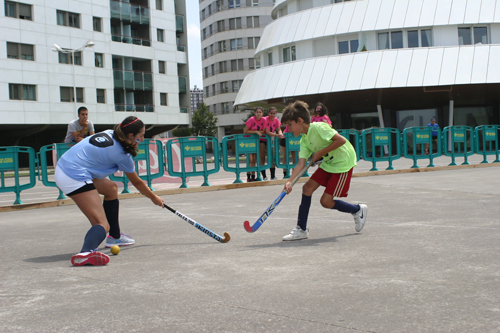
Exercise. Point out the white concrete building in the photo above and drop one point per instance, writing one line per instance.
(137, 66)
(392, 63)
(230, 33)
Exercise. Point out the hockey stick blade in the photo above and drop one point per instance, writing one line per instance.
(198, 226)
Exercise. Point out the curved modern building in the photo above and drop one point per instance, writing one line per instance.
(392, 63)
(230, 34)
(117, 58)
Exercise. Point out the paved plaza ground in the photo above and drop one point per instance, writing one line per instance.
(428, 260)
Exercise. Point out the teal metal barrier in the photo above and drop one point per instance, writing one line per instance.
(59, 149)
(193, 148)
(378, 147)
(246, 144)
(292, 144)
(9, 162)
(354, 138)
(143, 155)
(414, 140)
(458, 141)
(486, 142)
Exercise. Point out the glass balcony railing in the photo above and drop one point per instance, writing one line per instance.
(182, 84)
(181, 48)
(133, 80)
(184, 109)
(134, 107)
(179, 23)
(129, 12)
(130, 40)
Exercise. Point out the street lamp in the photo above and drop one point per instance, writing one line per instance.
(58, 49)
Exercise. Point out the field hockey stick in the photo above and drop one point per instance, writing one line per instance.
(276, 202)
(198, 226)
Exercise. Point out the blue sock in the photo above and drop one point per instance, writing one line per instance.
(93, 238)
(345, 207)
(111, 209)
(305, 204)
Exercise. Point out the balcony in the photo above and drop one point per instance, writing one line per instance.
(131, 40)
(135, 107)
(129, 12)
(133, 80)
(179, 23)
(182, 85)
(184, 109)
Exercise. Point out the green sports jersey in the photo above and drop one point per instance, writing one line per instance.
(320, 136)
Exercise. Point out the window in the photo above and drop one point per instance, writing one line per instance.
(236, 65)
(257, 62)
(270, 58)
(68, 19)
(236, 44)
(97, 23)
(221, 26)
(159, 5)
(235, 23)
(159, 35)
(225, 107)
(289, 54)
(237, 84)
(67, 94)
(223, 87)
(253, 22)
(253, 42)
(24, 92)
(348, 46)
(234, 4)
(99, 60)
(255, 3)
(394, 42)
(466, 35)
(214, 107)
(18, 10)
(163, 99)
(101, 96)
(67, 58)
(20, 51)
(420, 38)
(204, 54)
(222, 46)
(222, 67)
(251, 63)
(161, 67)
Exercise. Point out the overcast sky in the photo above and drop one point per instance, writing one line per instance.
(194, 43)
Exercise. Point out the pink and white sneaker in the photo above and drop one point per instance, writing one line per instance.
(94, 258)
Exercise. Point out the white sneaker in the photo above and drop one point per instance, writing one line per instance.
(297, 234)
(360, 217)
(274, 178)
(265, 178)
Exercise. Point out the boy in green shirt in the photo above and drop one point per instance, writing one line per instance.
(334, 173)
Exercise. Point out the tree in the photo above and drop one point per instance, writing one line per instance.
(204, 122)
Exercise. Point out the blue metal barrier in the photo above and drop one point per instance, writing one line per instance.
(376, 141)
(486, 142)
(9, 161)
(354, 138)
(60, 149)
(458, 141)
(292, 144)
(193, 148)
(143, 155)
(417, 138)
(246, 144)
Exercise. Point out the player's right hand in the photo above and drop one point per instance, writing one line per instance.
(287, 188)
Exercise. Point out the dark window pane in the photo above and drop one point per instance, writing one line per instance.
(354, 45)
(343, 47)
(464, 37)
(397, 40)
(413, 38)
(480, 35)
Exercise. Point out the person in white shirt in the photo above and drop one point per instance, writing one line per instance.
(80, 128)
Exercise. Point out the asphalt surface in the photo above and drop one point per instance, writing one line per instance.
(428, 260)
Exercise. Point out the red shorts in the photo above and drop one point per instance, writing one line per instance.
(337, 184)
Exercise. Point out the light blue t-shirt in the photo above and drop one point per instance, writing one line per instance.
(96, 156)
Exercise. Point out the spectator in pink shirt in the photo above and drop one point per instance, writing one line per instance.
(255, 125)
(273, 129)
(321, 114)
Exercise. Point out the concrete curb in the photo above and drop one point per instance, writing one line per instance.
(63, 202)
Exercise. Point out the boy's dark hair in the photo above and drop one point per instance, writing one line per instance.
(129, 125)
(273, 108)
(296, 110)
(257, 108)
(323, 111)
(81, 108)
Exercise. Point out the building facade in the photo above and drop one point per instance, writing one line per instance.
(382, 63)
(230, 33)
(196, 98)
(117, 58)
